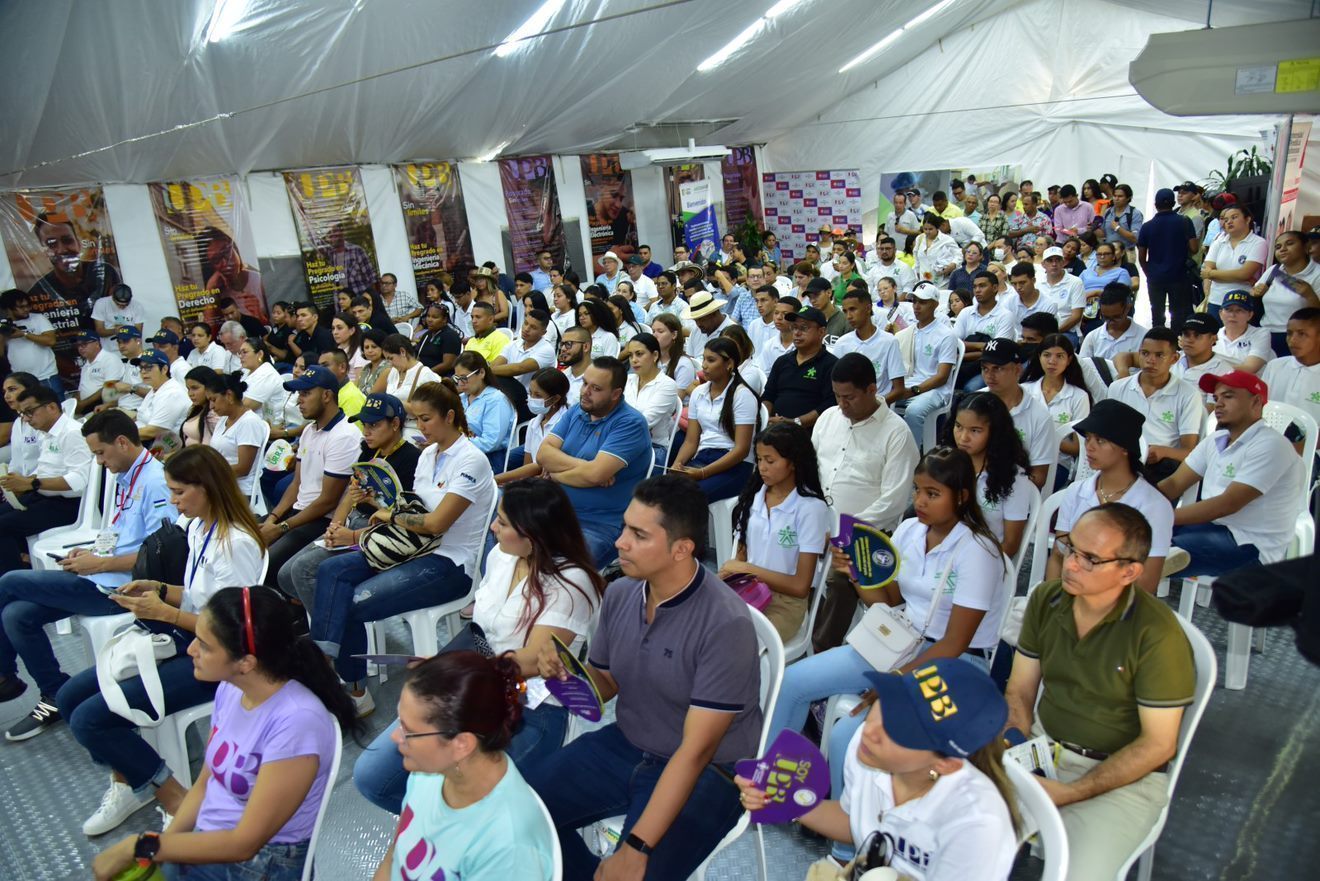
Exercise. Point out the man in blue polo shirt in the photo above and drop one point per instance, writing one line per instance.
(85, 578)
(598, 452)
(1164, 244)
(679, 650)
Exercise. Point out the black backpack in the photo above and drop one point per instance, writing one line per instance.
(163, 555)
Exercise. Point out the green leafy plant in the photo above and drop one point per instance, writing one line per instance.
(750, 233)
(1243, 163)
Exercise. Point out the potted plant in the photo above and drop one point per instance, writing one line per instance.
(1247, 177)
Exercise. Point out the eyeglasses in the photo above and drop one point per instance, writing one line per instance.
(447, 735)
(27, 414)
(1088, 561)
(460, 378)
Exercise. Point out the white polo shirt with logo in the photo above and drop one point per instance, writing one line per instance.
(326, 452)
(1100, 343)
(881, 349)
(1190, 374)
(104, 368)
(775, 536)
(933, 345)
(1032, 420)
(1292, 382)
(1254, 341)
(1170, 412)
(165, 407)
(1068, 294)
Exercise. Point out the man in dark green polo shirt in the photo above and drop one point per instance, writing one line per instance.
(1117, 671)
(798, 388)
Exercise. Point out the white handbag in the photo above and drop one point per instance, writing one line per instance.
(134, 651)
(886, 639)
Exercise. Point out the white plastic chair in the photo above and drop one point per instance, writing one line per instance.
(1042, 538)
(1040, 817)
(800, 645)
(257, 501)
(308, 872)
(513, 440)
(557, 853)
(100, 488)
(1207, 671)
(404, 328)
(721, 529)
(930, 428)
(169, 738)
(1050, 474)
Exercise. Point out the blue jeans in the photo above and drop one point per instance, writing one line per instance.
(600, 541)
(915, 410)
(113, 740)
(273, 485)
(43, 512)
(349, 593)
(726, 484)
(601, 775)
(380, 777)
(55, 384)
(496, 459)
(274, 862)
(1212, 549)
(30, 600)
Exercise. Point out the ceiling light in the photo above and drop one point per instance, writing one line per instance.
(748, 34)
(530, 28)
(915, 22)
(225, 18)
(487, 157)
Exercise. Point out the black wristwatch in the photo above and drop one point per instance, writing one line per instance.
(148, 845)
(36, 484)
(637, 844)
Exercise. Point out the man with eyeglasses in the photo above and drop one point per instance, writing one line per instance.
(400, 305)
(50, 495)
(1119, 338)
(575, 358)
(1117, 672)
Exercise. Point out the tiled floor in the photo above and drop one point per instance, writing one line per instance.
(1246, 808)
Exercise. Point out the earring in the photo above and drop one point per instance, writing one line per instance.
(934, 775)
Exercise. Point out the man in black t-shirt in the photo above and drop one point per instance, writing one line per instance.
(798, 388)
(311, 339)
(382, 428)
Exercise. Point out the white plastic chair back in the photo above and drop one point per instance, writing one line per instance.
(1040, 817)
(1278, 415)
(404, 328)
(557, 853)
(100, 488)
(1042, 538)
(721, 530)
(308, 872)
(1051, 473)
(930, 428)
(513, 440)
(1035, 500)
(256, 501)
(1207, 672)
(800, 645)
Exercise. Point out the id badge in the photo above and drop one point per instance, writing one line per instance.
(106, 542)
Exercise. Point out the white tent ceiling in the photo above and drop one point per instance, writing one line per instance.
(130, 91)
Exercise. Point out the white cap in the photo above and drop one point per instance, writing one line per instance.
(926, 291)
(1054, 251)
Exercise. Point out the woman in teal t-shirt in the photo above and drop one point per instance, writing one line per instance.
(468, 813)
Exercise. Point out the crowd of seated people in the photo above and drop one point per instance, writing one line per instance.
(553, 436)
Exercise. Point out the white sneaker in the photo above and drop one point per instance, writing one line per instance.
(363, 704)
(1175, 561)
(117, 805)
(166, 818)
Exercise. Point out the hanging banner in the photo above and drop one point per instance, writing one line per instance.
(675, 177)
(701, 231)
(435, 216)
(1281, 216)
(206, 231)
(742, 187)
(62, 252)
(611, 214)
(531, 203)
(799, 203)
(334, 231)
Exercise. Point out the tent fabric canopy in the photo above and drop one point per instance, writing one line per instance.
(131, 91)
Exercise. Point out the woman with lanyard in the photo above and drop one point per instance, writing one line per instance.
(983, 429)
(892, 314)
(935, 254)
(934, 782)
(454, 482)
(1112, 432)
(239, 433)
(723, 415)
(954, 579)
(376, 371)
(547, 398)
(650, 392)
(539, 584)
(278, 716)
(224, 548)
(1291, 284)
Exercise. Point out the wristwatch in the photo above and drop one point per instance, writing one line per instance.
(637, 844)
(797, 420)
(36, 484)
(146, 848)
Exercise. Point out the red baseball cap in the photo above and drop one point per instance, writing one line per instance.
(1249, 382)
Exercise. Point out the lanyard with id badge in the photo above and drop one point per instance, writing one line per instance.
(107, 539)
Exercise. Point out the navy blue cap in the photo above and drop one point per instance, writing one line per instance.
(87, 336)
(378, 407)
(950, 706)
(165, 338)
(128, 333)
(315, 376)
(1239, 298)
(151, 357)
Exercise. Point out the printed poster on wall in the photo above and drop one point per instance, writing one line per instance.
(531, 203)
(334, 231)
(62, 252)
(207, 236)
(611, 212)
(742, 189)
(799, 203)
(701, 231)
(675, 177)
(435, 217)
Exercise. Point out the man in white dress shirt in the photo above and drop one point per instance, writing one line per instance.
(867, 456)
(98, 368)
(887, 265)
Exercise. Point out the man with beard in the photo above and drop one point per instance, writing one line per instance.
(231, 278)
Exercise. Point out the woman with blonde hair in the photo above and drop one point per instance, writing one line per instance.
(224, 549)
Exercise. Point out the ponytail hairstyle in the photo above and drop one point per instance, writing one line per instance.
(952, 468)
(624, 305)
(229, 384)
(282, 654)
(442, 397)
(200, 465)
(676, 349)
(539, 510)
(793, 442)
(1005, 456)
(989, 760)
(740, 339)
(726, 349)
(464, 691)
(553, 383)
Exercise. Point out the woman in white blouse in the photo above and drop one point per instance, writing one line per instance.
(675, 363)
(653, 393)
(224, 550)
(1291, 284)
(1054, 377)
(723, 415)
(265, 386)
(547, 398)
(983, 429)
(936, 254)
(595, 317)
(406, 374)
(539, 583)
(239, 433)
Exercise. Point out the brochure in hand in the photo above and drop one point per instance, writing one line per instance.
(872, 557)
(379, 478)
(577, 693)
(9, 496)
(794, 775)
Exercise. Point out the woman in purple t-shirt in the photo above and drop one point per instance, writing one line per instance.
(273, 740)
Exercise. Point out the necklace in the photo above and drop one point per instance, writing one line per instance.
(1107, 497)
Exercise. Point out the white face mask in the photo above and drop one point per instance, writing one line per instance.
(538, 406)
